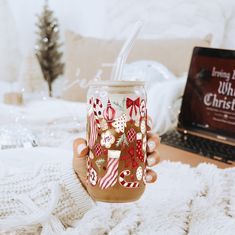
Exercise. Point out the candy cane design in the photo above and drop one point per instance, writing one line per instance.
(97, 104)
(110, 178)
(93, 131)
(92, 125)
(91, 174)
(126, 184)
(143, 110)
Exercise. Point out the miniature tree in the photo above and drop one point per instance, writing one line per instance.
(47, 47)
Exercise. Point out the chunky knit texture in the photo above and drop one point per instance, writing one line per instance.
(43, 200)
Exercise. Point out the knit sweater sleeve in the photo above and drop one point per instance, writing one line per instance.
(49, 196)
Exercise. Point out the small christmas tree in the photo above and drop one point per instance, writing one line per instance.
(47, 48)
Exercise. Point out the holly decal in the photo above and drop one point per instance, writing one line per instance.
(122, 140)
(120, 106)
(99, 163)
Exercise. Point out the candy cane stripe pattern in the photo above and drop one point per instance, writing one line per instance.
(93, 131)
(92, 126)
(110, 178)
(97, 104)
(126, 184)
(143, 110)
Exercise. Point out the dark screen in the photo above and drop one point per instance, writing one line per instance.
(209, 97)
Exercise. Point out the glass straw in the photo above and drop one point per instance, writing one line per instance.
(128, 45)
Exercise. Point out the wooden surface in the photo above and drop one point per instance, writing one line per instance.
(174, 154)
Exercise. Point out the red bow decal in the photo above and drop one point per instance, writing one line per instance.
(133, 104)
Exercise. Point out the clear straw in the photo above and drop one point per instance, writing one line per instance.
(128, 45)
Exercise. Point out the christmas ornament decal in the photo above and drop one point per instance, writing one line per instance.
(109, 112)
(131, 135)
(91, 173)
(98, 150)
(92, 176)
(139, 173)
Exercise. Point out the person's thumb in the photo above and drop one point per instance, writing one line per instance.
(80, 152)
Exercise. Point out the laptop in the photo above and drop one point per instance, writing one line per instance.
(206, 123)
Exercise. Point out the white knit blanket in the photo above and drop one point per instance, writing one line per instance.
(185, 200)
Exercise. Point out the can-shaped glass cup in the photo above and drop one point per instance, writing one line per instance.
(116, 136)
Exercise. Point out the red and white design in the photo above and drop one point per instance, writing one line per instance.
(103, 125)
(97, 108)
(93, 129)
(144, 145)
(139, 173)
(133, 105)
(143, 109)
(131, 135)
(107, 139)
(109, 112)
(92, 176)
(91, 173)
(143, 127)
(139, 152)
(110, 178)
(130, 160)
(120, 123)
(144, 175)
(126, 184)
(98, 150)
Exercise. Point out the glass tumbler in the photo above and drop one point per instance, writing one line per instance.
(116, 135)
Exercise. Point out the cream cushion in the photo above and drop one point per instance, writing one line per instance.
(88, 58)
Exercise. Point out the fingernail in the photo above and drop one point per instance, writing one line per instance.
(80, 148)
(149, 178)
(151, 161)
(151, 145)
